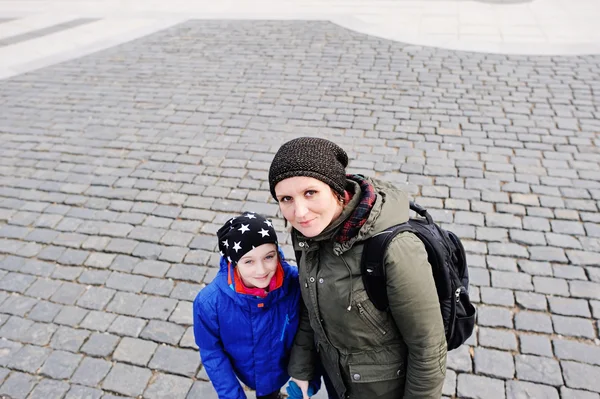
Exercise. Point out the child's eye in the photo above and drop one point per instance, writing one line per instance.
(248, 261)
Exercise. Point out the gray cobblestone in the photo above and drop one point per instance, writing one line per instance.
(100, 260)
(549, 285)
(134, 351)
(49, 389)
(29, 358)
(520, 389)
(168, 386)
(44, 311)
(535, 345)
(566, 393)
(18, 385)
(81, 392)
(95, 298)
(69, 273)
(497, 296)
(538, 369)
(577, 351)
(69, 339)
(127, 380)
(100, 344)
(40, 334)
(126, 282)
(533, 321)
(70, 316)
(98, 321)
(68, 293)
(550, 254)
(94, 277)
(176, 361)
(581, 376)
(16, 282)
(126, 303)
(157, 308)
(151, 268)
(158, 286)
(60, 365)
(518, 281)
(147, 251)
(535, 268)
(584, 289)
(498, 339)
(15, 328)
(163, 332)
(17, 305)
(479, 387)
(494, 363)
(573, 326)
(129, 326)
(7, 351)
(91, 371)
(569, 307)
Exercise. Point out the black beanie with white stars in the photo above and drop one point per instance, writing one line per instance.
(242, 234)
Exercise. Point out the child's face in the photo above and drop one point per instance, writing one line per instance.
(258, 266)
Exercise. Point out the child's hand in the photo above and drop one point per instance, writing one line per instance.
(303, 385)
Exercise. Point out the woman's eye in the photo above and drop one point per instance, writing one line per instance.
(247, 262)
(269, 257)
(310, 193)
(285, 199)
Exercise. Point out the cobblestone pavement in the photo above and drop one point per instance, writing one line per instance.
(116, 170)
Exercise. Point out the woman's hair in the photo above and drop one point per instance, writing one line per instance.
(311, 157)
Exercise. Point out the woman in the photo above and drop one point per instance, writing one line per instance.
(367, 353)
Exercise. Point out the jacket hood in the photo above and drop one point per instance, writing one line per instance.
(391, 208)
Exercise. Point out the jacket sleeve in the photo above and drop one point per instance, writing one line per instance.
(415, 308)
(215, 360)
(303, 356)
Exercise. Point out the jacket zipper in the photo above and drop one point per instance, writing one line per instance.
(370, 319)
(285, 324)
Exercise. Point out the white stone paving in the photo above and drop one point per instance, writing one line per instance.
(539, 27)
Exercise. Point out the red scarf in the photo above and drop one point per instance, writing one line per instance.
(240, 287)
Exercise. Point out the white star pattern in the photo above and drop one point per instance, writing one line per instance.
(268, 223)
(225, 243)
(244, 228)
(236, 246)
(229, 259)
(221, 252)
(250, 216)
(263, 233)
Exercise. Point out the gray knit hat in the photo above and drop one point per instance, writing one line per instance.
(311, 157)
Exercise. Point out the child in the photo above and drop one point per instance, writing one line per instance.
(245, 320)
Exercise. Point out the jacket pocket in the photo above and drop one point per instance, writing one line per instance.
(368, 373)
(371, 320)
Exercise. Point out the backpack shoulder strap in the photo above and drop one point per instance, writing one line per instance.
(372, 264)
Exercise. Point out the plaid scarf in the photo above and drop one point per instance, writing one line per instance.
(361, 213)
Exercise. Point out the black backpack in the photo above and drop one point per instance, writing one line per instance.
(449, 266)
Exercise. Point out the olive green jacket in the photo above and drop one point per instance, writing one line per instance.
(399, 353)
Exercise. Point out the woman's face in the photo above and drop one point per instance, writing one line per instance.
(308, 204)
(257, 267)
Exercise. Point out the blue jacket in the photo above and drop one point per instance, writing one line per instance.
(246, 336)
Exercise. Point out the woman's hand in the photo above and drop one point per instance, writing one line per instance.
(303, 385)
